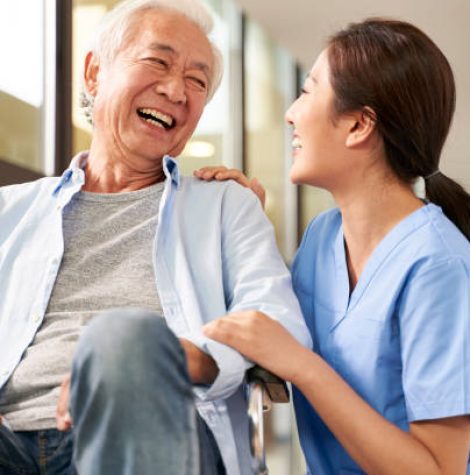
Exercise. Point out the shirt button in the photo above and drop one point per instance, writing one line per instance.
(35, 317)
(5, 372)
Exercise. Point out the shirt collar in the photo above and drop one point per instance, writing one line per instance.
(74, 176)
(171, 170)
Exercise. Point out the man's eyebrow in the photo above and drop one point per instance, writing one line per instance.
(169, 49)
(162, 47)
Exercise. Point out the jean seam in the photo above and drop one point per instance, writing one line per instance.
(62, 443)
(42, 446)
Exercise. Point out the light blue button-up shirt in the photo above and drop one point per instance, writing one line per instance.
(214, 253)
(401, 339)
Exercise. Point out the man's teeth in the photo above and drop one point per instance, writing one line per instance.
(296, 143)
(157, 118)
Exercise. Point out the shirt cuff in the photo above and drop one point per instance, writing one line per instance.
(232, 368)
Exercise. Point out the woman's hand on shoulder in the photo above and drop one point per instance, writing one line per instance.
(221, 173)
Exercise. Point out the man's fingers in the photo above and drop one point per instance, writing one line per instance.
(64, 423)
(63, 417)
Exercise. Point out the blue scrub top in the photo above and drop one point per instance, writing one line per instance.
(401, 339)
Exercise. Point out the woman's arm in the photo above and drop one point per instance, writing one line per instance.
(440, 446)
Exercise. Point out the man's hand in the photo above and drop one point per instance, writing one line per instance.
(202, 368)
(63, 417)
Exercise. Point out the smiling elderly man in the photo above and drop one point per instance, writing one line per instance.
(110, 272)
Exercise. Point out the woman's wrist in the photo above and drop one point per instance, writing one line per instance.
(300, 372)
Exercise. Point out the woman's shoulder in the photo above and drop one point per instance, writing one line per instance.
(441, 238)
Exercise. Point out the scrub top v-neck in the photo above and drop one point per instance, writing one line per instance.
(401, 339)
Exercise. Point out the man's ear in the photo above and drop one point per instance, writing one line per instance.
(92, 68)
(362, 127)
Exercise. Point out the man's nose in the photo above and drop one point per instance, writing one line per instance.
(173, 87)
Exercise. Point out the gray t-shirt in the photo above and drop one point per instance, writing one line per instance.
(107, 263)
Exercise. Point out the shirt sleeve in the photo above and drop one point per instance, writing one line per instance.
(434, 320)
(255, 278)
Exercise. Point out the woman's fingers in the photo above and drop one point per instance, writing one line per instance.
(258, 337)
(258, 190)
(208, 173)
(221, 173)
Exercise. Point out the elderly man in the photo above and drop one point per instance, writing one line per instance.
(121, 234)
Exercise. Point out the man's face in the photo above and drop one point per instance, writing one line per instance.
(149, 99)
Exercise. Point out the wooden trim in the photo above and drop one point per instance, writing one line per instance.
(63, 119)
(10, 174)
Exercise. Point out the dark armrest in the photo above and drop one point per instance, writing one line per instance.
(275, 386)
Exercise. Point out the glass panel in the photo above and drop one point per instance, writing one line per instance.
(265, 130)
(208, 145)
(313, 201)
(21, 83)
(85, 20)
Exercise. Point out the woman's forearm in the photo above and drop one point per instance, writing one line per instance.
(377, 445)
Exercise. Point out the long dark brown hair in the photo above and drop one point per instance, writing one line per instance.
(396, 70)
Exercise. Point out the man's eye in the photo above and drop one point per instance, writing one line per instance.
(157, 61)
(197, 82)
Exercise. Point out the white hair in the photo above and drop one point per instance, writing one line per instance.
(117, 23)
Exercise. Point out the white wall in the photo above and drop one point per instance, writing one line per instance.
(302, 25)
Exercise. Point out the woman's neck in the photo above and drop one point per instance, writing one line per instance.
(368, 215)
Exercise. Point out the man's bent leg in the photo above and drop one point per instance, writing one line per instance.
(131, 398)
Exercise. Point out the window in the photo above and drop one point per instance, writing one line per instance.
(26, 100)
(269, 89)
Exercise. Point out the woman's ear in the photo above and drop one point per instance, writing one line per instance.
(92, 68)
(362, 127)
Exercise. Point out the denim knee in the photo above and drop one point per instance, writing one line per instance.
(119, 346)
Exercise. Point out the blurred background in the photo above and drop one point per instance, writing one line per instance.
(268, 47)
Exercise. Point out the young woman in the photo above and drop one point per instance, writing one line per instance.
(384, 279)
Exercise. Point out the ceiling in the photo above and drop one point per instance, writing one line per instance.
(302, 25)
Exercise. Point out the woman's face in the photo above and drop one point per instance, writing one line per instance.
(319, 142)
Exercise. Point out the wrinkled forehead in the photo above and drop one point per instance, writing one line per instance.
(170, 31)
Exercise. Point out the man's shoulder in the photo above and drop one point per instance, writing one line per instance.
(229, 189)
(20, 189)
(24, 194)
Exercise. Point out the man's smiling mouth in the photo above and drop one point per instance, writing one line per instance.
(157, 118)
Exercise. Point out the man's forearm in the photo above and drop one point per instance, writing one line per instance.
(201, 367)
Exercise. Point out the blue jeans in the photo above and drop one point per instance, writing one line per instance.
(31, 453)
(132, 406)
